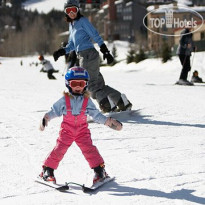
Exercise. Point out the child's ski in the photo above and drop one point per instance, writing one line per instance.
(94, 187)
(97, 185)
(69, 184)
(55, 186)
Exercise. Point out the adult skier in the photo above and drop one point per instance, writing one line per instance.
(82, 33)
(184, 50)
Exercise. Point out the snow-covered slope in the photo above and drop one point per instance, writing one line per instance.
(185, 2)
(158, 157)
(45, 6)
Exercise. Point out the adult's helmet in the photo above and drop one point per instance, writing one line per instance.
(70, 3)
(40, 58)
(76, 73)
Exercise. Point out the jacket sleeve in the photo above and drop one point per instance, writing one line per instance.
(95, 113)
(92, 32)
(183, 42)
(70, 45)
(58, 109)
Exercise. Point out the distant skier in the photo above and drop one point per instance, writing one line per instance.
(82, 33)
(195, 77)
(47, 67)
(184, 50)
(74, 106)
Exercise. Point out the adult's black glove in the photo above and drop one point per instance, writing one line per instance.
(58, 53)
(106, 54)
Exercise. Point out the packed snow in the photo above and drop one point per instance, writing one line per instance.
(45, 6)
(158, 157)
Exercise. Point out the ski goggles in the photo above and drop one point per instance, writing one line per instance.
(74, 9)
(77, 83)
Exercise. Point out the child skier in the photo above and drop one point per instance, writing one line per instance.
(74, 106)
(195, 77)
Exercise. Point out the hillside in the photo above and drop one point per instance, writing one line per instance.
(47, 5)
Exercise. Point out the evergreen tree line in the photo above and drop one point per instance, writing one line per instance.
(134, 56)
(26, 33)
(139, 55)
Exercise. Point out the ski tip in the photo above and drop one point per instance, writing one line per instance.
(86, 189)
(63, 188)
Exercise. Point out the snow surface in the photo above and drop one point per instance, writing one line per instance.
(45, 6)
(158, 157)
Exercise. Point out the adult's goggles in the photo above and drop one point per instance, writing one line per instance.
(74, 9)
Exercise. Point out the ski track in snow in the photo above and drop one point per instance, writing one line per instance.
(158, 157)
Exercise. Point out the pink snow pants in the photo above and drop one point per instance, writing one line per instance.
(74, 128)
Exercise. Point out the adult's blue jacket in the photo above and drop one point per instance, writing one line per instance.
(82, 32)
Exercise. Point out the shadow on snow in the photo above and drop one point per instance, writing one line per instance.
(134, 116)
(183, 194)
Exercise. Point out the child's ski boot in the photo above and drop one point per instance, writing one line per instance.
(100, 173)
(48, 175)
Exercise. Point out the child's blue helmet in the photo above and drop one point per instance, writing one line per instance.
(76, 73)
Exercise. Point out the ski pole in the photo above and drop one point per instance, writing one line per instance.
(64, 70)
(192, 61)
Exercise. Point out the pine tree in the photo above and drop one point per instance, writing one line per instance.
(130, 56)
(114, 53)
(141, 56)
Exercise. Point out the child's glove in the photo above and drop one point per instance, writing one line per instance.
(44, 122)
(113, 123)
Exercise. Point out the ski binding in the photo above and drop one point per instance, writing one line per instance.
(94, 187)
